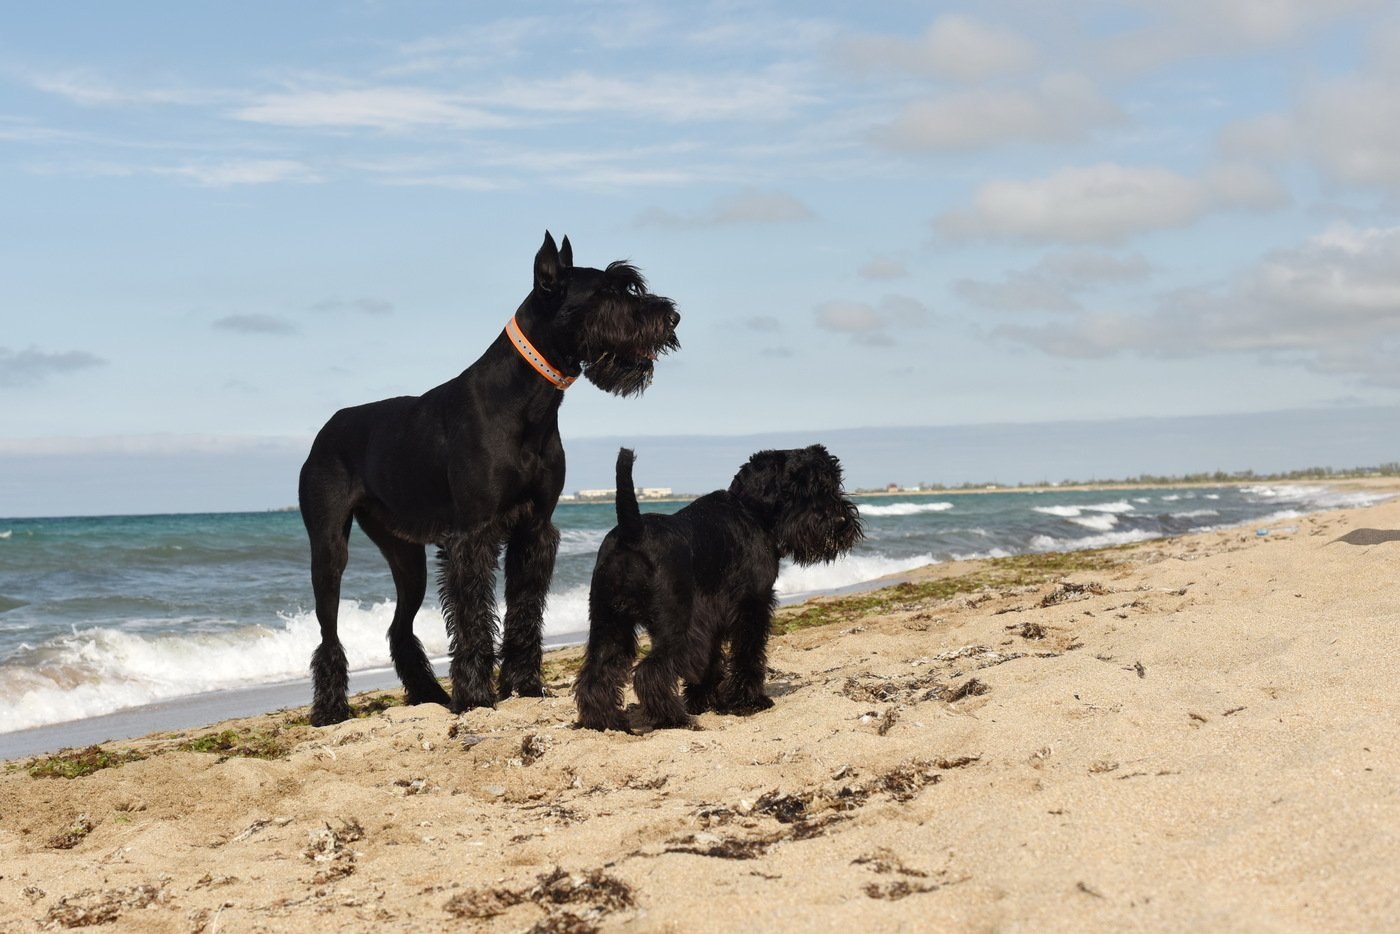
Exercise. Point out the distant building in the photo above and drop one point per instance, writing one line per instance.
(646, 492)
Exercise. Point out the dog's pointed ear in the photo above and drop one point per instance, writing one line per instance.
(566, 254)
(547, 268)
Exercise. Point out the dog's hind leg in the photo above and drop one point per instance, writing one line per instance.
(529, 568)
(409, 564)
(329, 532)
(704, 662)
(669, 659)
(607, 661)
(467, 586)
(742, 692)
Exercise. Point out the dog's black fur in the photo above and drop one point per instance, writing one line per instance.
(700, 578)
(471, 466)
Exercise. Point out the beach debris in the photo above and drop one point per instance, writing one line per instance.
(480, 904)
(588, 897)
(706, 844)
(983, 656)
(92, 906)
(414, 786)
(1069, 591)
(74, 834)
(969, 688)
(784, 808)
(887, 720)
(1031, 630)
(75, 763)
(533, 747)
(330, 848)
(715, 815)
(899, 888)
(884, 862)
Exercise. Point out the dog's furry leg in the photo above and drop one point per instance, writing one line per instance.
(655, 684)
(409, 564)
(529, 569)
(467, 587)
(330, 680)
(607, 661)
(328, 528)
(704, 662)
(742, 692)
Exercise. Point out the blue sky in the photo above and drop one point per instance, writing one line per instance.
(225, 221)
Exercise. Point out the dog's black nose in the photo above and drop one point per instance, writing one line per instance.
(673, 319)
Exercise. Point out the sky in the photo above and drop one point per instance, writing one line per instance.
(222, 222)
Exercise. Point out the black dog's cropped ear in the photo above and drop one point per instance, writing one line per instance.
(547, 268)
(566, 254)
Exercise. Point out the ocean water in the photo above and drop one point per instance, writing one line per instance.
(99, 615)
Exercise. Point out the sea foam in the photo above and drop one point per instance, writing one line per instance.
(902, 509)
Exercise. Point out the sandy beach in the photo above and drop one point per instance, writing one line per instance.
(1187, 734)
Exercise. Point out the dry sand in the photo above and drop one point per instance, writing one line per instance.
(1201, 736)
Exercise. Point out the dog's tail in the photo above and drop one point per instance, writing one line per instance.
(629, 515)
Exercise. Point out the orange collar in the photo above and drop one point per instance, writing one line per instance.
(535, 358)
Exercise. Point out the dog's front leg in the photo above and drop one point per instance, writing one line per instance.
(743, 691)
(529, 569)
(467, 587)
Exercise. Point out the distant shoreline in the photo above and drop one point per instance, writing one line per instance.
(1376, 481)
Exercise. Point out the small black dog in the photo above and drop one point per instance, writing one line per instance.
(702, 577)
(471, 466)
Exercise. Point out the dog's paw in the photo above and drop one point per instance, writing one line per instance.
(745, 706)
(674, 723)
(525, 689)
(461, 703)
(330, 715)
(428, 696)
(697, 703)
(603, 723)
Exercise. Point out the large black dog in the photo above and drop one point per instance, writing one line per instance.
(472, 466)
(703, 577)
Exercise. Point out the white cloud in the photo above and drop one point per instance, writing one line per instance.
(1331, 304)
(1060, 108)
(390, 109)
(884, 267)
(1055, 283)
(242, 172)
(1104, 203)
(1182, 29)
(255, 324)
(32, 365)
(955, 47)
(872, 324)
(746, 207)
(89, 90)
(667, 97)
(1348, 127)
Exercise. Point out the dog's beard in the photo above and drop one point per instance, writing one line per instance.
(623, 363)
(620, 375)
(821, 537)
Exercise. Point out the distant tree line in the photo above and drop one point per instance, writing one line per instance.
(1388, 469)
